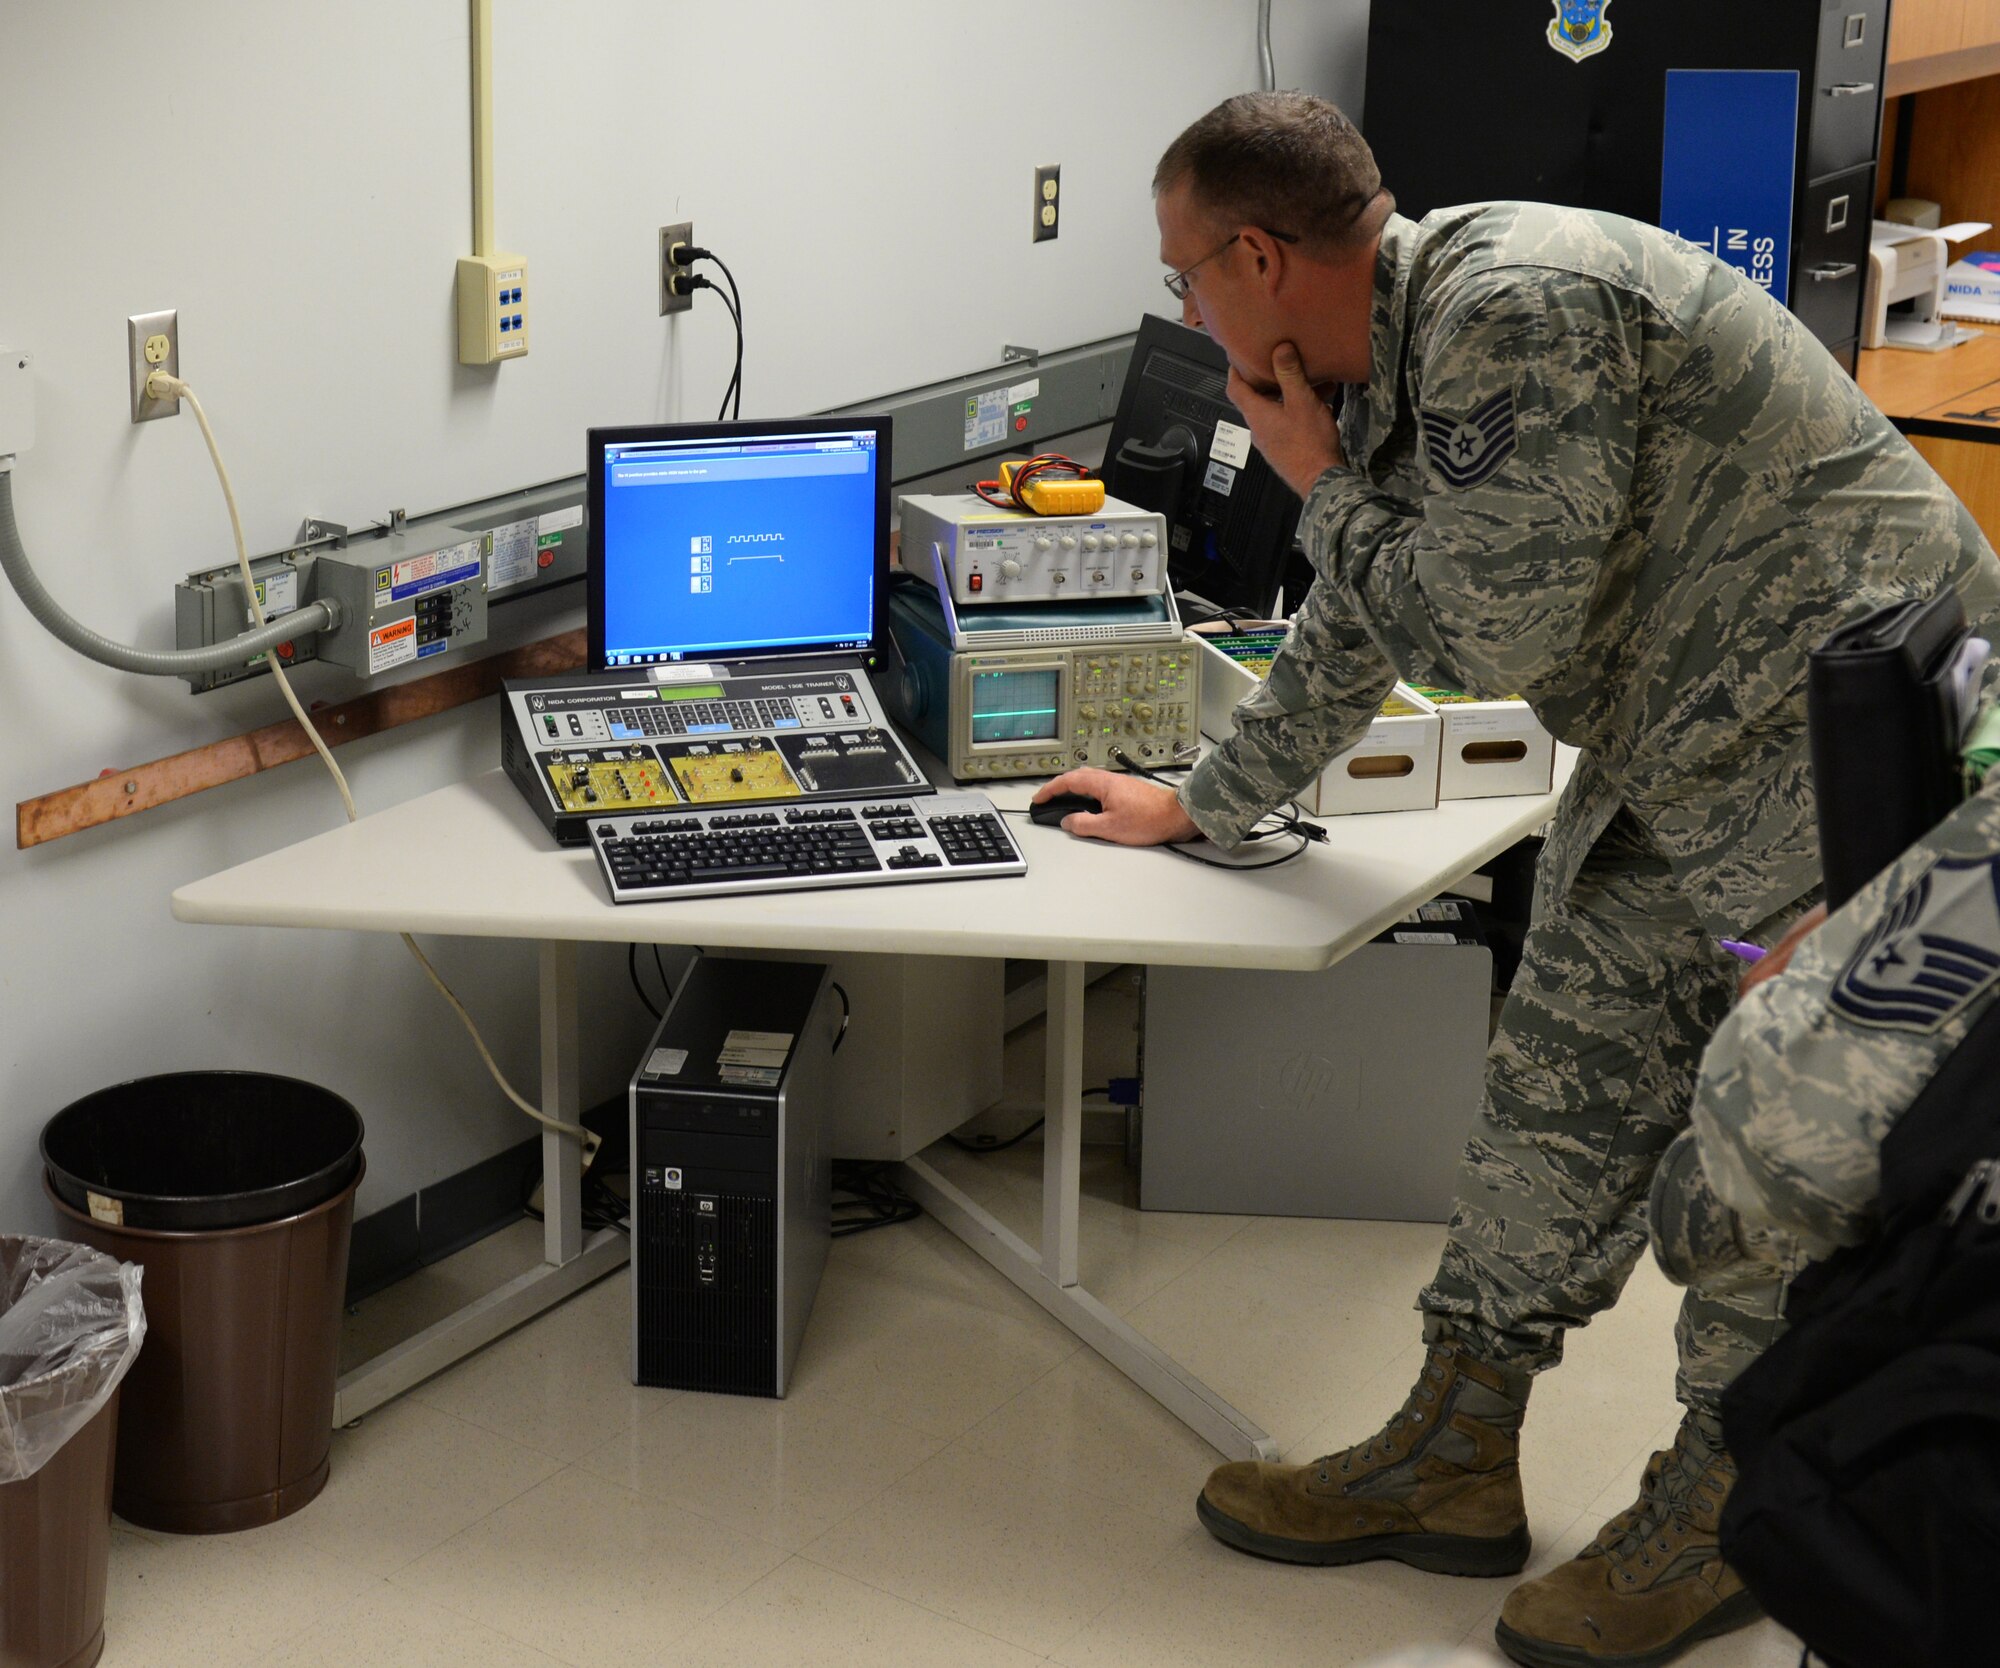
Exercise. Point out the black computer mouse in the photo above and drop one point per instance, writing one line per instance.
(1060, 805)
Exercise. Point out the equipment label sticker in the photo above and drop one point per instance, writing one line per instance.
(762, 1049)
(392, 645)
(986, 419)
(1232, 445)
(1726, 167)
(560, 521)
(429, 572)
(279, 593)
(513, 555)
(764, 1076)
(666, 1062)
(1220, 478)
(1498, 721)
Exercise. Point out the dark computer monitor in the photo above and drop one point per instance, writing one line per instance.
(734, 541)
(1230, 526)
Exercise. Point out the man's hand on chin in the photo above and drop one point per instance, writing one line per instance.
(1294, 427)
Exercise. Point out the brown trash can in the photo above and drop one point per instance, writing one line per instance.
(228, 1417)
(55, 1546)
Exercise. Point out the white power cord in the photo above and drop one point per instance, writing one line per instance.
(162, 386)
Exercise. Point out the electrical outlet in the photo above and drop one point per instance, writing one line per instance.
(679, 235)
(153, 343)
(1048, 203)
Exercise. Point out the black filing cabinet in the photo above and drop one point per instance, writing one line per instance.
(1470, 100)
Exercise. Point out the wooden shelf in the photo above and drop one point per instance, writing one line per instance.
(1933, 43)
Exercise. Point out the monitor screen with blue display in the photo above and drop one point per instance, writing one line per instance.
(737, 540)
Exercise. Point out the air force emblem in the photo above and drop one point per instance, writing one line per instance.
(1938, 948)
(1466, 450)
(1580, 30)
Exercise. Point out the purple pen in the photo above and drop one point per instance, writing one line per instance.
(1745, 952)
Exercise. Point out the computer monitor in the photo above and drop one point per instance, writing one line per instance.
(1230, 520)
(729, 541)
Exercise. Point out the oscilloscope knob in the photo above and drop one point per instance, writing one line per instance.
(1090, 541)
(1044, 544)
(1011, 569)
(1129, 540)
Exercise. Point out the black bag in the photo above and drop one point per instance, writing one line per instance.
(1887, 699)
(1867, 1513)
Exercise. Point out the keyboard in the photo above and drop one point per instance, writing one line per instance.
(646, 856)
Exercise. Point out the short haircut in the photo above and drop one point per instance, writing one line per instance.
(1288, 162)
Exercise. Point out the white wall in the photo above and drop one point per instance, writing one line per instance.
(295, 181)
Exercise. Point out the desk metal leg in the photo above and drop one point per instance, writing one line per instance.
(1050, 1276)
(562, 1097)
(1062, 1134)
(570, 1261)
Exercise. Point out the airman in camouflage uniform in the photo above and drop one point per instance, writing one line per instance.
(1811, 1070)
(1580, 461)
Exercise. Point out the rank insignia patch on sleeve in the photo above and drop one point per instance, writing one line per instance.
(1466, 450)
(1937, 949)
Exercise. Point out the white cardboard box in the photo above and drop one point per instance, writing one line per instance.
(1394, 767)
(1491, 748)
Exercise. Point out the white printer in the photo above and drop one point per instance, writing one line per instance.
(1902, 306)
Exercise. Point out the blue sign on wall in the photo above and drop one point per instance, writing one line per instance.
(1726, 167)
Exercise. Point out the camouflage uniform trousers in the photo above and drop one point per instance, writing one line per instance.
(1588, 1082)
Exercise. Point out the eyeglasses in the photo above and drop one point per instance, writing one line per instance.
(1177, 282)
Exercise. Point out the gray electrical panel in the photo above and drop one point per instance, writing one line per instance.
(409, 589)
(400, 605)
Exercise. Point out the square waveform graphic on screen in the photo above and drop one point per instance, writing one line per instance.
(739, 545)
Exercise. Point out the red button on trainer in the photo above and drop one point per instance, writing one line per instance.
(975, 582)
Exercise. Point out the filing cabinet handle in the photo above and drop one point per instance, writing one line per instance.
(1830, 270)
(1850, 89)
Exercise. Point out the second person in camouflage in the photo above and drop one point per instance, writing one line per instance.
(1581, 461)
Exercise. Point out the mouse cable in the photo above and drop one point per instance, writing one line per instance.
(1286, 819)
(161, 385)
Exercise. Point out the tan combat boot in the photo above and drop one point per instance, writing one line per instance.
(1439, 1487)
(1649, 1586)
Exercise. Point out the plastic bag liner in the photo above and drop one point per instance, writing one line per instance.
(70, 1328)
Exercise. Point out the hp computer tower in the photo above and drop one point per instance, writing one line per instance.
(731, 1216)
(1644, 108)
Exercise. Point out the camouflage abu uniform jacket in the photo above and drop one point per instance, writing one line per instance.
(1598, 468)
(1812, 1068)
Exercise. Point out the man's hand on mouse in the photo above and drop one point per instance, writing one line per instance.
(1136, 812)
(1292, 426)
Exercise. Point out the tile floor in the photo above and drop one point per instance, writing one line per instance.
(953, 1480)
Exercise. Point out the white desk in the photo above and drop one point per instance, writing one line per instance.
(1082, 901)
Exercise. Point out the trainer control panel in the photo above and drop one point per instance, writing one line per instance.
(730, 735)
